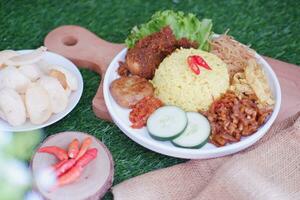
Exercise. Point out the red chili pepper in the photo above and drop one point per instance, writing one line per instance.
(65, 167)
(84, 147)
(75, 171)
(70, 176)
(195, 69)
(201, 62)
(193, 66)
(195, 62)
(58, 152)
(58, 164)
(73, 148)
(89, 155)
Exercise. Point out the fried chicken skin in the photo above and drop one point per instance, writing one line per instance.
(122, 70)
(127, 91)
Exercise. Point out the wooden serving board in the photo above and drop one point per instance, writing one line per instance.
(85, 49)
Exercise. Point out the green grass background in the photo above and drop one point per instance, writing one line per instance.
(271, 27)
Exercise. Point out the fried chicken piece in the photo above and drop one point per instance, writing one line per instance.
(127, 91)
(122, 70)
(143, 62)
(185, 43)
(149, 52)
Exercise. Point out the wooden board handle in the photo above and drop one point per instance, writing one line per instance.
(85, 49)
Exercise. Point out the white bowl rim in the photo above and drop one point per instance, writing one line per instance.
(193, 153)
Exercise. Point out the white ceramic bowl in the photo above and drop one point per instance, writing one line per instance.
(73, 98)
(141, 136)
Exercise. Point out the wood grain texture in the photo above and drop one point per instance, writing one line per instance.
(85, 49)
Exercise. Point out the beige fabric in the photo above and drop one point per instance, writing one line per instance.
(269, 170)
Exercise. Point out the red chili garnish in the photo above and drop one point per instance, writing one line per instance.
(195, 61)
(201, 62)
(193, 66)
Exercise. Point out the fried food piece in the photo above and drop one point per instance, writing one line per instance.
(60, 77)
(12, 108)
(233, 53)
(127, 91)
(149, 52)
(122, 70)
(142, 62)
(240, 86)
(185, 43)
(231, 118)
(38, 104)
(257, 79)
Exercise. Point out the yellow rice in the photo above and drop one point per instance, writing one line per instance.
(176, 84)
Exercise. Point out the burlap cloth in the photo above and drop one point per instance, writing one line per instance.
(269, 170)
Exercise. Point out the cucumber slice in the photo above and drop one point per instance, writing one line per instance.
(166, 123)
(196, 133)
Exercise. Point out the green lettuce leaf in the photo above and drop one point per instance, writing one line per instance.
(183, 25)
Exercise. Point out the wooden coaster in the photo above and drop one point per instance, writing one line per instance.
(94, 181)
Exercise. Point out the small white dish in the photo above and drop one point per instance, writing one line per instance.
(121, 118)
(74, 97)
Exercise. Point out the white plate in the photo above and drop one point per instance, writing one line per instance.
(73, 98)
(141, 136)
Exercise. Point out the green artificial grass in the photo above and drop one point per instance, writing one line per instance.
(271, 27)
